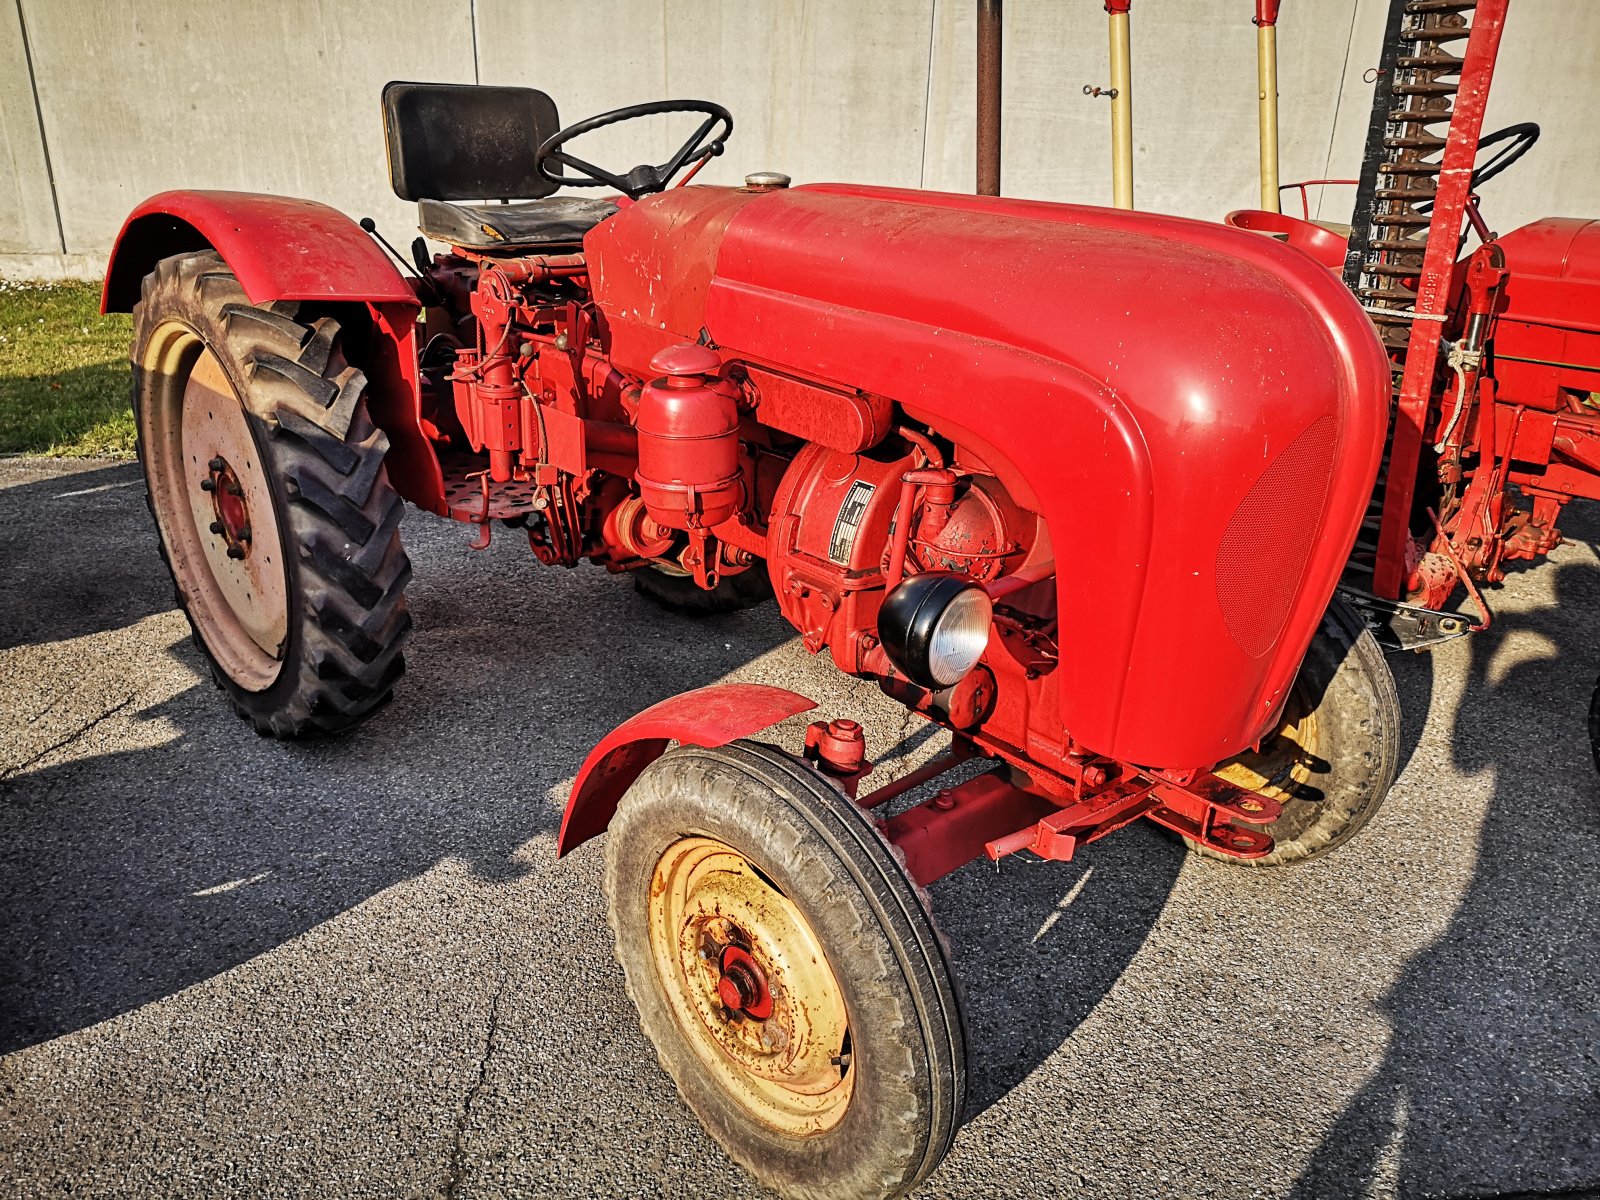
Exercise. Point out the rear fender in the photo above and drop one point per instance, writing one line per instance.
(709, 716)
(281, 248)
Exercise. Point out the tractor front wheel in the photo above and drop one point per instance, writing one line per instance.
(787, 971)
(1336, 750)
(265, 476)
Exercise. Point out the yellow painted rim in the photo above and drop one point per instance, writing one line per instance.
(1286, 756)
(792, 1069)
(190, 415)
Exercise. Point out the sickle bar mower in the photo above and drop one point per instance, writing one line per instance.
(1494, 341)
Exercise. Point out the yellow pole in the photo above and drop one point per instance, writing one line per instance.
(1121, 107)
(1267, 99)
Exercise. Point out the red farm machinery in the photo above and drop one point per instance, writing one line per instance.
(933, 428)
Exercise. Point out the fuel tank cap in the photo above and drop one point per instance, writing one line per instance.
(766, 181)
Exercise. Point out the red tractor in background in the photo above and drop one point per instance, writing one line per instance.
(937, 429)
(1495, 350)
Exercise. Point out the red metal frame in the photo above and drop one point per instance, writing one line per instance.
(1434, 289)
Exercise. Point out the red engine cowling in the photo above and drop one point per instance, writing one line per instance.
(1201, 489)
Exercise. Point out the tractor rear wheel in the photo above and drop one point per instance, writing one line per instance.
(677, 591)
(787, 971)
(265, 477)
(1334, 755)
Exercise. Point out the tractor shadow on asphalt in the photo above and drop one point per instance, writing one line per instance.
(1491, 1080)
(126, 876)
(67, 566)
(1039, 944)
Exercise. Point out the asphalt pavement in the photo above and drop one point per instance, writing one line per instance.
(234, 967)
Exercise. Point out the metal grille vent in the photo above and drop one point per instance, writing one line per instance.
(1269, 538)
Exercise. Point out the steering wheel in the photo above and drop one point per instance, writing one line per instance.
(643, 179)
(1521, 137)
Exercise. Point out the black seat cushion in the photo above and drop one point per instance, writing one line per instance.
(459, 141)
(558, 221)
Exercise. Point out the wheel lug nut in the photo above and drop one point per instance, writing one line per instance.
(235, 551)
(218, 464)
(234, 489)
(216, 527)
(208, 485)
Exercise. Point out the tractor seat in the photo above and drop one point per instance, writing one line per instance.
(456, 147)
(556, 221)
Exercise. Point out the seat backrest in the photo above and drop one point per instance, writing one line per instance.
(462, 141)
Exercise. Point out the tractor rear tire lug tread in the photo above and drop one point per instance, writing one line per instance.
(681, 594)
(338, 515)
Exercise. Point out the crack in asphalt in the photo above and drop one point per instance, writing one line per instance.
(458, 1149)
(8, 772)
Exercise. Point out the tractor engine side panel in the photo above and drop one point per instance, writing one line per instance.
(1547, 335)
(1196, 413)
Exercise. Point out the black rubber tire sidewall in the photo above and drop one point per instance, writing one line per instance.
(1359, 741)
(681, 594)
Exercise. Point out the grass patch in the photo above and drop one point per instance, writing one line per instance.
(63, 372)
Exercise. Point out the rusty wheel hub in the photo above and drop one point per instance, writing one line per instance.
(743, 986)
(227, 499)
(745, 977)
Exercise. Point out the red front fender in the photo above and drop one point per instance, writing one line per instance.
(279, 247)
(708, 716)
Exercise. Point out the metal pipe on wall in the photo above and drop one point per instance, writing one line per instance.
(1121, 104)
(1266, 21)
(989, 31)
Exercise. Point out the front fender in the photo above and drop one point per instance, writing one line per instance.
(280, 248)
(708, 716)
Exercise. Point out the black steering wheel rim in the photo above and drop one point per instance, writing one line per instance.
(1522, 137)
(645, 178)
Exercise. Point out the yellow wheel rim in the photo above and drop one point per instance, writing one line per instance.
(227, 556)
(749, 985)
(1286, 757)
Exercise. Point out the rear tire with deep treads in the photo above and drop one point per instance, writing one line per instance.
(678, 592)
(310, 466)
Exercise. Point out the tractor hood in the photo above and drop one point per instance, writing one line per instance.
(1197, 412)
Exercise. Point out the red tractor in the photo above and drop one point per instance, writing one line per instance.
(1018, 462)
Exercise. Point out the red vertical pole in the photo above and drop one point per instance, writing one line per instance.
(1433, 294)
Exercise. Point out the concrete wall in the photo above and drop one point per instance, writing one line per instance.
(104, 102)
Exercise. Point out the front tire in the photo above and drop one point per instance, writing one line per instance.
(265, 477)
(787, 971)
(1336, 751)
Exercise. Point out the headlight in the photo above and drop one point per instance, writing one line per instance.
(935, 627)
